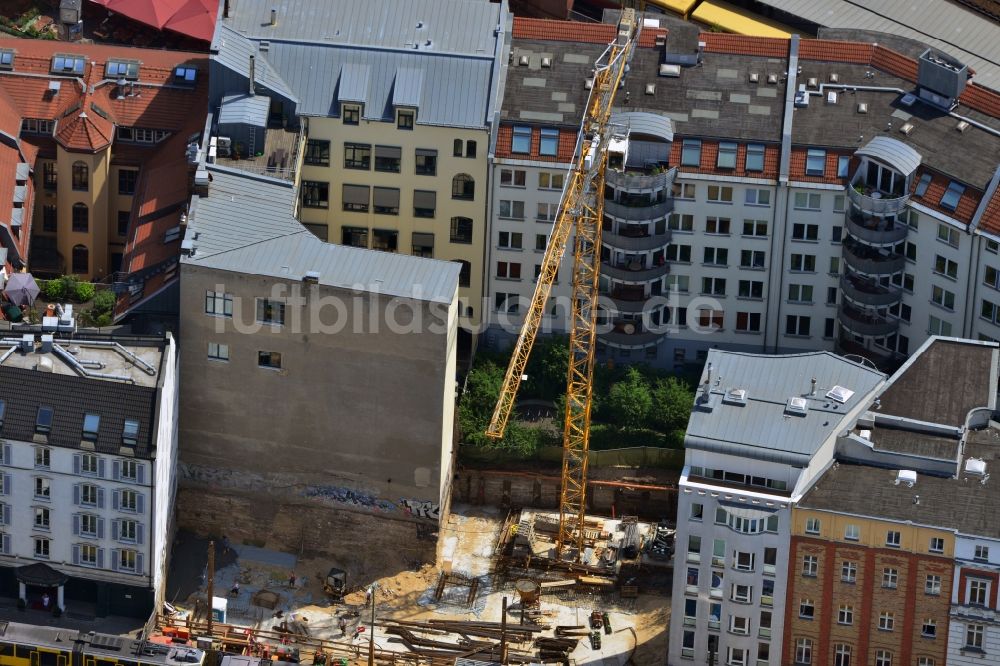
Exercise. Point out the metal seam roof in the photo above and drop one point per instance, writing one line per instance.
(893, 152)
(643, 122)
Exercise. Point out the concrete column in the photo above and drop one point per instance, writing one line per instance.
(59, 597)
(22, 590)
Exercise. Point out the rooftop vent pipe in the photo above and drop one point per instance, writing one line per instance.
(274, 17)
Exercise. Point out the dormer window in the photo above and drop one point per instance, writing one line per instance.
(949, 199)
(185, 76)
(43, 420)
(815, 162)
(405, 119)
(130, 433)
(351, 114)
(6, 59)
(726, 158)
(91, 426)
(67, 64)
(3, 410)
(121, 69)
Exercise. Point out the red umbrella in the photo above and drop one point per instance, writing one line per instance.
(103, 3)
(151, 12)
(195, 19)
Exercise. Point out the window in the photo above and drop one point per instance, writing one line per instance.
(127, 560)
(43, 457)
(43, 420)
(357, 156)
(843, 164)
(803, 263)
(892, 539)
(426, 162)
(678, 283)
(218, 303)
(727, 155)
(945, 266)
(755, 228)
(937, 326)
(743, 561)
(849, 572)
(697, 511)
(815, 162)
(767, 592)
(550, 181)
(845, 615)
(736, 656)
(549, 142)
(713, 286)
(404, 119)
(521, 139)
(948, 235)
(755, 157)
(123, 220)
(932, 585)
(513, 210)
(64, 64)
(713, 319)
(883, 658)
(269, 359)
(890, 578)
(508, 270)
(510, 240)
(981, 554)
(356, 198)
(6, 59)
(929, 629)
(351, 114)
(829, 325)
(842, 655)
(812, 524)
(513, 177)
(719, 553)
(690, 611)
(464, 273)
(694, 548)
(717, 225)
(81, 217)
(130, 432)
(470, 148)
(810, 565)
(42, 518)
(886, 621)
(739, 625)
(385, 200)
(716, 256)
(974, 636)
(991, 277)
(385, 240)
(128, 500)
(978, 591)
(41, 548)
(808, 232)
(89, 525)
(185, 76)
(687, 645)
(91, 426)
(806, 609)
(942, 297)
(834, 265)
(741, 593)
(951, 196)
(839, 204)
(678, 222)
(679, 253)
(128, 470)
(751, 289)
(43, 488)
(803, 651)
(128, 530)
(317, 152)
(546, 212)
(800, 293)
(748, 322)
(937, 545)
(720, 194)
(126, 181)
(461, 230)
(218, 352)
(315, 194)
(807, 201)
(797, 325)
(684, 191)
(270, 312)
(463, 187)
(81, 177)
(388, 158)
(691, 152)
(424, 203)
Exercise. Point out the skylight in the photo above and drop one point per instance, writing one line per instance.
(925, 180)
(130, 433)
(727, 155)
(121, 69)
(6, 59)
(3, 409)
(951, 196)
(755, 157)
(691, 152)
(840, 394)
(67, 64)
(91, 426)
(185, 75)
(815, 162)
(797, 406)
(43, 420)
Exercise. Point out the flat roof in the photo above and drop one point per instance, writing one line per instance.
(912, 443)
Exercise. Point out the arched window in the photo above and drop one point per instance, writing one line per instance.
(81, 176)
(81, 260)
(81, 217)
(465, 275)
(463, 187)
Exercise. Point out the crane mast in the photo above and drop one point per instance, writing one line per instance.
(580, 211)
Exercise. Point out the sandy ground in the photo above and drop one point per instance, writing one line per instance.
(465, 547)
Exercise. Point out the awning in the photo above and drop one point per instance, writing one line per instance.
(421, 239)
(40, 574)
(900, 156)
(424, 199)
(386, 197)
(426, 152)
(356, 194)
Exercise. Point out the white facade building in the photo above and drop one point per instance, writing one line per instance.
(88, 463)
(974, 628)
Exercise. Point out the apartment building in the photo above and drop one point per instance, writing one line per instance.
(320, 378)
(765, 195)
(762, 429)
(397, 123)
(97, 137)
(87, 468)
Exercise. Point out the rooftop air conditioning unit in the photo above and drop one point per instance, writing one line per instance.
(672, 71)
(754, 77)
(546, 62)
(975, 466)
(907, 476)
(523, 61)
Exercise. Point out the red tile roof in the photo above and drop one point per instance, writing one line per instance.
(797, 167)
(710, 155)
(831, 50)
(563, 31)
(10, 117)
(567, 144)
(990, 220)
(83, 130)
(967, 204)
(10, 157)
(766, 47)
(981, 99)
(894, 63)
(648, 36)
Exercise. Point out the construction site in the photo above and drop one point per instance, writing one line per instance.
(497, 594)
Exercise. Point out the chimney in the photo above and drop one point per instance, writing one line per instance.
(274, 17)
(813, 390)
(253, 63)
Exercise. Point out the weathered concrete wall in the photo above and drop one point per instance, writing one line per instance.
(541, 490)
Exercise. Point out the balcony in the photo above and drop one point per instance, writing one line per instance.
(621, 338)
(874, 202)
(630, 180)
(638, 213)
(634, 272)
(872, 261)
(862, 322)
(869, 292)
(845, 346)
(627, 304)
(875, 230)
(630, 240)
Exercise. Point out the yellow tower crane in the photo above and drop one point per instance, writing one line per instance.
(581, 211)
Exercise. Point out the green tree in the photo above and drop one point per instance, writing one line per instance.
(672, 401)
(547, 368)
(629, 401)
(476, 409)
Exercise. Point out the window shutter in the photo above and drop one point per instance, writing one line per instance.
(100, 528)
(76, 463)
(116, 470)
(76, 524)
(8, 488)
(356, 194)
(140, 534)
(114, 530)
(387, 197)
(76, 494)
(138, 563)
(114, 559)
(100, 558)
(140, 473)
(140, 503)
(100, 498)
(100, 468)
(76, 553)
(114, 499)
(6, 514)
(424, 199)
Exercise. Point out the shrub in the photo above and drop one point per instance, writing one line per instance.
(84, 291)
(104, 302)
(103, 320)
(55, 290)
